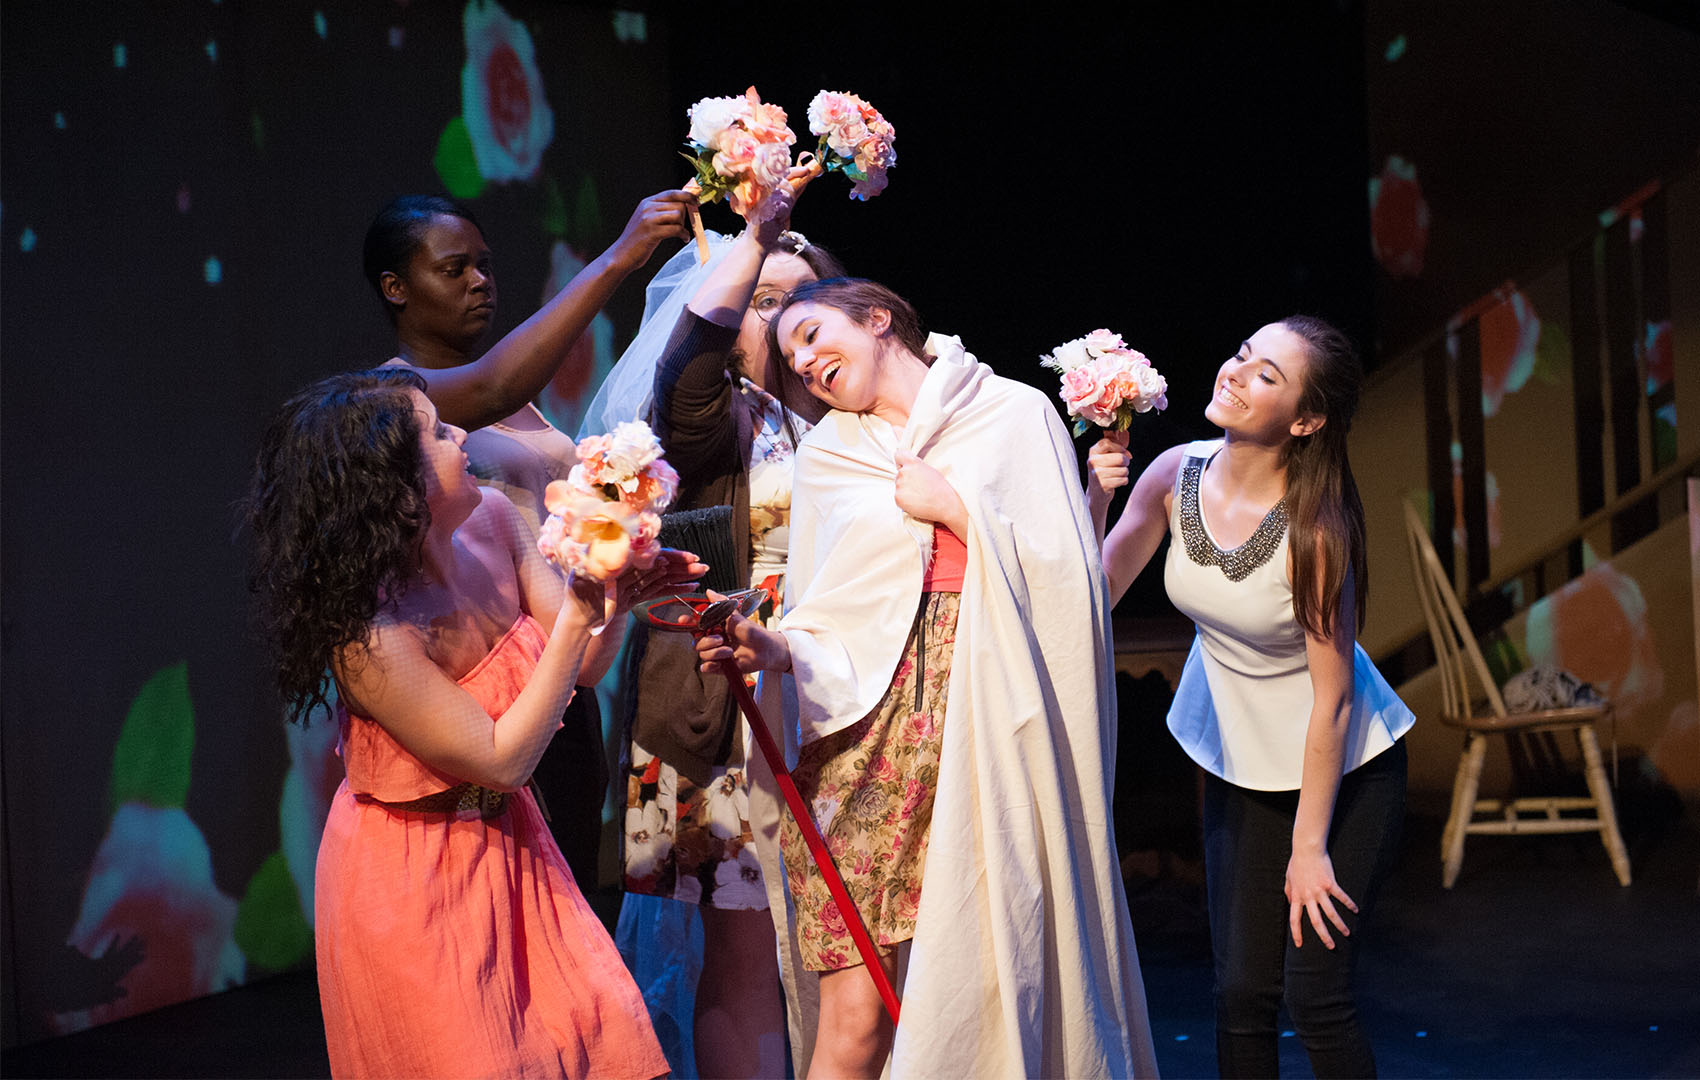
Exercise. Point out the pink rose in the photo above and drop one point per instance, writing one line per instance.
(737, 153)
(831, 110)
(1596, 628)
(588, 360)
(1100, 342)
(152, 882)
(1081, 387)
(501, 95)
(883, 770)
(1510, 331)
(1398, 219)
(767, 121)
(832, 920)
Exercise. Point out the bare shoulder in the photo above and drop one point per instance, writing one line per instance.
(361, 669)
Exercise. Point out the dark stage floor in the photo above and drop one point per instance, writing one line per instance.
(1538, 964)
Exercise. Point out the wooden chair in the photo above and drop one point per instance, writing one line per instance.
(1482, 714)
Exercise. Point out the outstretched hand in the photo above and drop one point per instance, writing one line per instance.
(672, 572)
(1109, 464)
(660, 217)
(1311, 890)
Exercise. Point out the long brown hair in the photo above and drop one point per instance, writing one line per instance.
(1322, 497)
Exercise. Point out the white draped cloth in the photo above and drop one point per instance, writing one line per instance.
(1023, 960)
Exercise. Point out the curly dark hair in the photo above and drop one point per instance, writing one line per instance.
(337, 511)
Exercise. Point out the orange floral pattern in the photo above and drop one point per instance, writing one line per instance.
(871, 787)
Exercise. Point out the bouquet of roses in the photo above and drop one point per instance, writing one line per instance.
(605, 517)
(741, 149)
(854, 140)
(1104, 382)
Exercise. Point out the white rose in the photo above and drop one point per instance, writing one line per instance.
(632, 447)
(1099, 342)
(710, 117)
(1153, 388)
(1072, 354)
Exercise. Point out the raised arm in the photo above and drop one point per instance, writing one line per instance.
(395, 683)
(693, 399)
(519, 366)
(1310, 885)
(1145, 518)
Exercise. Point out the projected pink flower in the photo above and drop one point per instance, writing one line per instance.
(1398, 219)
(588, 360)
(501, 95)
(152, 882)
(1596, 628)
(1510, 330)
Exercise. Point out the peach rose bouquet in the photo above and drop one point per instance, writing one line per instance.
(741, 149)
(605, 517)
(854, 140)
(1104, 383)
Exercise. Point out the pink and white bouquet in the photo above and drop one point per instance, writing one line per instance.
(854, 140)
(1104, 382)
(605, 517)
(741, 148)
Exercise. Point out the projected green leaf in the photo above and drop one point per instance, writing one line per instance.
(455, 163)
(584, 227)
(270, 929)
(554, 219)
(150, 764)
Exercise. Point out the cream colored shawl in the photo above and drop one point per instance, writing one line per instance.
(1023, 960)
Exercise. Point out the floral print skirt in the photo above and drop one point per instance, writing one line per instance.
(871, 786)
(690, 843)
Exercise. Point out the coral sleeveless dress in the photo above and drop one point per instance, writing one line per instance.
(453, 944)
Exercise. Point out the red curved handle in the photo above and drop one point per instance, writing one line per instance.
(812, 837)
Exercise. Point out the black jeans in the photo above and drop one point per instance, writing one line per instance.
(1248, 839)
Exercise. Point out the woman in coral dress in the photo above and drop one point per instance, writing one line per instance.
(451, 939)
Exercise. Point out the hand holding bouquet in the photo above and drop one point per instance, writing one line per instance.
(606, 516)
(854, 140)
(1104, 382)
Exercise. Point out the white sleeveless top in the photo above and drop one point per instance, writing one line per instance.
(1243, 704)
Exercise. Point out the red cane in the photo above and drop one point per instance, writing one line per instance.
(699, 616)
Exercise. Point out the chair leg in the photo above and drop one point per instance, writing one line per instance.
(1464, 789)
(1594, 769)
(1452, 816)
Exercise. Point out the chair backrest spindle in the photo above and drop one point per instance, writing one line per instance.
(1455, 648)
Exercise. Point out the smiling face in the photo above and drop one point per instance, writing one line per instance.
(839, 360)
(447, 291)
(1258, 389)
(780, 273)
(450, 491)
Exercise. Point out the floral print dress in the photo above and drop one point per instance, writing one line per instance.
(694, 843)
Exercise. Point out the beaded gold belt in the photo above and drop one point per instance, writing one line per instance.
(488, 802)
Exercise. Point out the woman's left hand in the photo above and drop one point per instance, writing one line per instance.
(1311, 890)
(925, 495)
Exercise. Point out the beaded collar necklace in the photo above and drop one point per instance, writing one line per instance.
(1241, 561)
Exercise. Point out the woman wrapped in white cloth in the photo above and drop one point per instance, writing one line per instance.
(947, 635)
